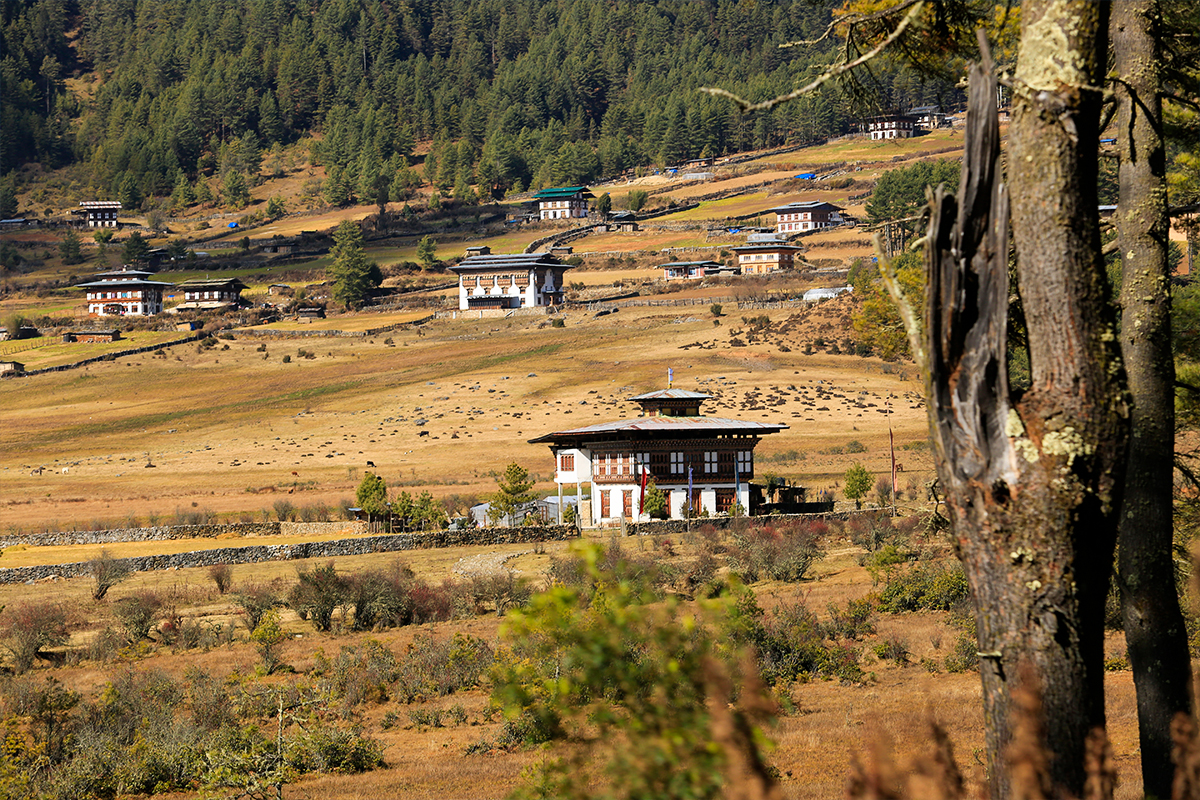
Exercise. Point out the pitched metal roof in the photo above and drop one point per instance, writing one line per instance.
(125, 284)
(664, 425)
(205, 283)
(518, 261)
(562, 191)
(804, 205)
(671, 394)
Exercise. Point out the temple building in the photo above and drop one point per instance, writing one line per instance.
(507, 281)
(699, 462)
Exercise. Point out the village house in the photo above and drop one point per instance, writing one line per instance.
(204, 293)
(699, 462)
(489, 282)
(564, 202)
(124, 292)
(10, 369)
(623, 221)
(98, 213)
(91, 337)
(688, 270)
(764, 253)
(809, 215)
(927, 117)
(891, 126)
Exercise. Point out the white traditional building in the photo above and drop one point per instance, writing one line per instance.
(507, 281)
(563, 202)
(891, 126)
(808, 215)
(125, 292)
(99, 213)
(764, 253)
(699, 462)
(206, 293)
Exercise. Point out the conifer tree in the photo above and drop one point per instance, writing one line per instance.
(350, 270)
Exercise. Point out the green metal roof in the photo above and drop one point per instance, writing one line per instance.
(562, 191)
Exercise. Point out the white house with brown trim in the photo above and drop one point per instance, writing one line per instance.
(489, 282)
(808, 215)
(125, 292)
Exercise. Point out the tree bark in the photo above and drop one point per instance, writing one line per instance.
(1032, 481)
(1154, 628)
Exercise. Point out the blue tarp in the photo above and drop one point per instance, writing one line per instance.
(808, 176)
(233, 224)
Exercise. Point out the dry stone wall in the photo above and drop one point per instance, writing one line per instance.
(251, 554)
(166, 532)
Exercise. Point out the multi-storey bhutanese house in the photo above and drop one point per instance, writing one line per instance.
(809, 215)
(671, 444)
(203, 293)
(765, 252)
(124, 292)
(98, 213)
(506, 281)
(563, 202)
(891, 126)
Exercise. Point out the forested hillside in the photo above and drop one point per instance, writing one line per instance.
(150, 94)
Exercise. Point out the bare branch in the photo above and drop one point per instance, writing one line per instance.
(746, 107)
(850, 19)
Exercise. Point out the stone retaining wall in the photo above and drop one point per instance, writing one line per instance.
(166, 532)
(663, 527)
(252, 554)
(113, 355)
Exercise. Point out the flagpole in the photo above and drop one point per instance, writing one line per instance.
(892, 445)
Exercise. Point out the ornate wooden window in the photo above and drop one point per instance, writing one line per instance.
(628, 507)
(710, 462)
(725, 500)
(566, 462)
(677, 465)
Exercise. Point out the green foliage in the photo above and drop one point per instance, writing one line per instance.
(715, 309)
(234, 190)
(513, 494)
(656, 502)
(877, 322)
(925, 587)
(858, 483)
(604, 204)
(136, 249)
(371, 496)
(276, 207)
(900, 193)
(137, 614)
(427, 251)
(69, 249)
(650, 682)
(793, 645)
(267, 636)
(349, 270)
(636, 199)
(318, 592)
(106, 572)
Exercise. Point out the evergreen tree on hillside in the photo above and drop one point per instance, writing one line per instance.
(350, 270)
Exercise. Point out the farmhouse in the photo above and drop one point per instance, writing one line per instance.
(928, 117)
(9, 369)
(809, 215)
(891, 126)
(124, 292)
(98, 213)
(202, 293)
(623, 221)
(686, 270)
(699, 462)
(507, 281)
(564, 202)
(765, 252)
(92, 337)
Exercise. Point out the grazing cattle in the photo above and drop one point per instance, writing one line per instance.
(297, 474)
(370, 463)
(64, 470)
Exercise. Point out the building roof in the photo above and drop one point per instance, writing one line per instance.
(124, 284)
(664, 427)
(562, 192)
(805, 205)
(124, 271)
(671, 394)
(691, 264)
(512, 261)
(211, 283)
(100, 205)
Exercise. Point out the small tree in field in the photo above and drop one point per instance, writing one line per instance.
(107, 572)
(513, 493)
(267, 636)
(858, 484)
(372, 496)
(656, 502)
(29, 628)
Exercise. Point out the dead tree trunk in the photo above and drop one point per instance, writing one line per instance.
(1031, 482)
(1154, 626)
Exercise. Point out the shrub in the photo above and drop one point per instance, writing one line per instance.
(326, 749)
(106, 572)
(316, 595)
(855, 446)
(256, 599)
(267, 637)
(28, 628)
(853, 622)
(894, 649)
(793, 645)
(432, 668)
(137, 614)
(780, 553)
(925, 587)
(284, 510)
(222, 576)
